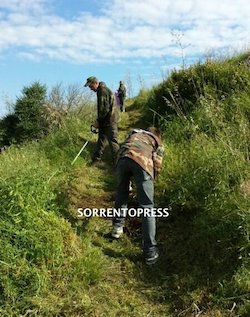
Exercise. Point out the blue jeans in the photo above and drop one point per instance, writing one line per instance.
(126, 168)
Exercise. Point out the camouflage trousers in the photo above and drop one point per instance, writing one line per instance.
(110, 134)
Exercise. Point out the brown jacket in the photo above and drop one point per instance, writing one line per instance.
(145, 149)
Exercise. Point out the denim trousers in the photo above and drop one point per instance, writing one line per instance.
(127, 168)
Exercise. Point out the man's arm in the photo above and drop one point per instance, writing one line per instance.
(158, 158)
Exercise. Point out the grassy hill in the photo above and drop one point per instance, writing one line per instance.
(53, 264)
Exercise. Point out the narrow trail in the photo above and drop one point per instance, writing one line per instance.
(94, 186)
(127, 289)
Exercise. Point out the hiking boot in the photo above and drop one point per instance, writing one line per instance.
(152, 258)
(117, 232)
(95, 161)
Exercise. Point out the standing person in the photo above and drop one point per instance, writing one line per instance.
(122, 95)
(107, 118)
(140, 157)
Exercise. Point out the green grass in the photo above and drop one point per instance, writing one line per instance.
(54, 264)
(41, 255)
(51, 263)
(206, 181)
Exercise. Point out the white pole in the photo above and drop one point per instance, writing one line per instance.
(84, 145)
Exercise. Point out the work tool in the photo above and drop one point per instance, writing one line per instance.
(84, 145)
(94, 130)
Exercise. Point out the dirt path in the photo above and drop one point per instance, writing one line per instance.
(94, 186)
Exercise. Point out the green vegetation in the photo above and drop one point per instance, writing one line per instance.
(205, 114)
(53, 264)
(27, 121)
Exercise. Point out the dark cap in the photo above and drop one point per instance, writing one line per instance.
(90, 80)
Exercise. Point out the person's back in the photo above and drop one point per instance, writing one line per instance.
(143, 147)
(122, 95)
(122, 90)
(140, 157)
(105, 105)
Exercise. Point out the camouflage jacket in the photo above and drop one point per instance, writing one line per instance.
(145, 149)
(105, 106)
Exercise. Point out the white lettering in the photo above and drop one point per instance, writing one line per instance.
(80, 213)
(87, 212)
(165, 212)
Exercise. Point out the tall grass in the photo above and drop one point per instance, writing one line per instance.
(45, 266)
(204, 113)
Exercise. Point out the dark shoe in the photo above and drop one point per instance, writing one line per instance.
(95, 161)
(152, 258)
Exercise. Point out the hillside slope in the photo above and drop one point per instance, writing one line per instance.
(54, 264)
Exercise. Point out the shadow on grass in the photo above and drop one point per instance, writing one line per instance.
(193, 262)
(198, 255)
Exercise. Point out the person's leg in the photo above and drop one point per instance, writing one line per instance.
(112, 136)
(122, 193)
(100, 144)
(122, 105)
(145, 195)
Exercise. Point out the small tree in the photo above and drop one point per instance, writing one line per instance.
(29, 111)
(8, 129)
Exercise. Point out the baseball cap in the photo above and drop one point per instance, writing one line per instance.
(90, 80)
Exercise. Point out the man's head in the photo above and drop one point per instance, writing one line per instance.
(92, 82)
(155, 131)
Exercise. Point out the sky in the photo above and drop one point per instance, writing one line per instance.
(138, 41)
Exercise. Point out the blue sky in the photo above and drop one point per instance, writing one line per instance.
(66, 41)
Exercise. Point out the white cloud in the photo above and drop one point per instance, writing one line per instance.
(27, 6)
(125, 30)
